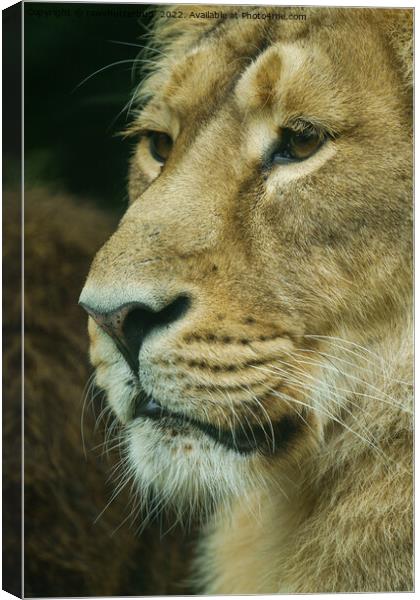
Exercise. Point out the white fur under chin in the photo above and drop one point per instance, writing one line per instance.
(189, 473)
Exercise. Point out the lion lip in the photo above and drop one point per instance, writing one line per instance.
(240, 440)
(148, 407)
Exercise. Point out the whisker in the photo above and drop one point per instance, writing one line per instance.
(85, 393)
(332, 417)
(259, 403)
(153, 50)
(333, 340)
(114, 495)
(391, 401)
(114, 64)
(237, 419)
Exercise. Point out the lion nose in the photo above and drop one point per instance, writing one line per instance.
(129, 324)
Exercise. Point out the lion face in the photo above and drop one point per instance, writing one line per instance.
(270, 209)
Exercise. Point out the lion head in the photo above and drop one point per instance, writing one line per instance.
(270, 213)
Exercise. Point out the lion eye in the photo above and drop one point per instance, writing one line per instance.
(160, 145)
(295, 146)
(303, 145)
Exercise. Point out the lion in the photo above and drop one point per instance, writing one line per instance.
(251, 318)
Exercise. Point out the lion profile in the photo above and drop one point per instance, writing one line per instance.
(250, 319)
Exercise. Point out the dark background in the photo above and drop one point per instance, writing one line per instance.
(71, 140)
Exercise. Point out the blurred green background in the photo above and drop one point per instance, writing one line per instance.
(71, 140)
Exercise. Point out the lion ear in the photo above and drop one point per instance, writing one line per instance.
(399, 32)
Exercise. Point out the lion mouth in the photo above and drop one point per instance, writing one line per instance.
(268, 438)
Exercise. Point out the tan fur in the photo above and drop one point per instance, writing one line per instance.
(300, 280)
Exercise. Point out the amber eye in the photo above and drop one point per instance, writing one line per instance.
(303, 145)
(160, 145)
(295, 146)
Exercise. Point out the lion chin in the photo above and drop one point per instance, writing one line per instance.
(183, 469)
(250, 320)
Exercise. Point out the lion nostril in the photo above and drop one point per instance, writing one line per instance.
(130, 323)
